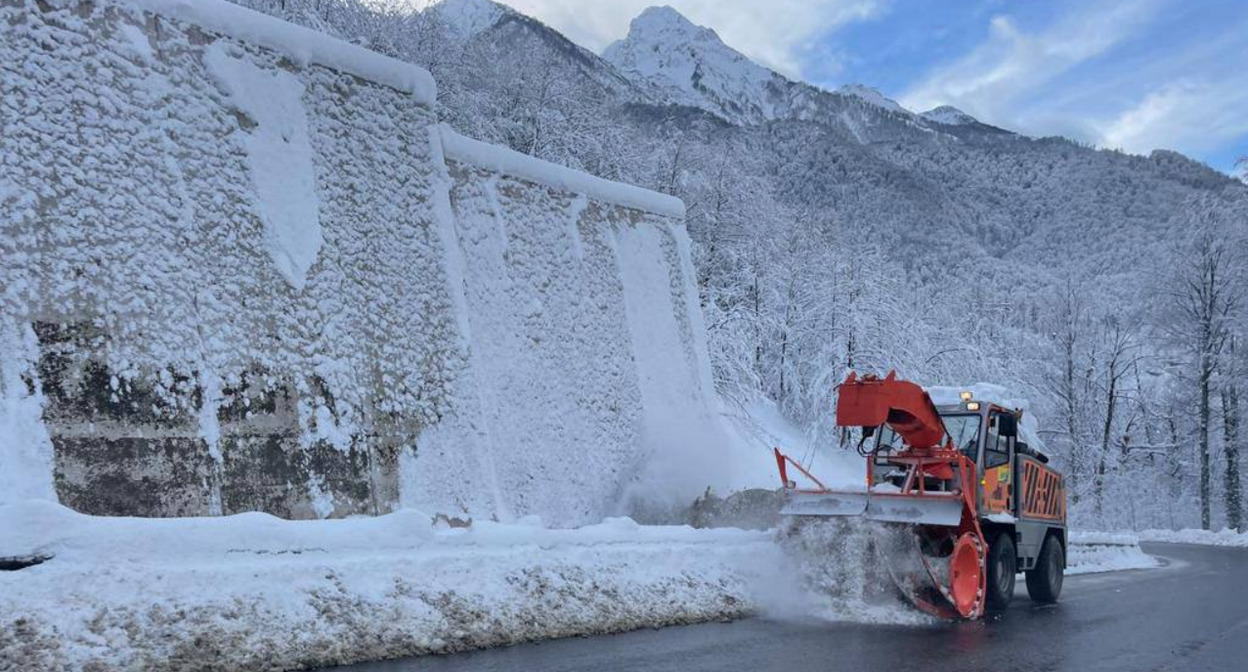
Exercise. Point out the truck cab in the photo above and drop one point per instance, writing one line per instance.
(1021, 500)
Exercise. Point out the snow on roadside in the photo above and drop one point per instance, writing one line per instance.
(255, 592)
(1089, 554)
(1110, 551)
(1091, 537)
(1224, 537)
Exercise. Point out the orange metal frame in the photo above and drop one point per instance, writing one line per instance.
(782, 460)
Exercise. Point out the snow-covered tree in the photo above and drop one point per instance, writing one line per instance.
(1205, 296)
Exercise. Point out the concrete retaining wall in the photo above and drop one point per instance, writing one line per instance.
(241, 273)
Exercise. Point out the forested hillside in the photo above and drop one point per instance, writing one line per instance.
(837, 231)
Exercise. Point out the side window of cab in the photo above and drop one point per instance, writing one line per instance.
(996, 447)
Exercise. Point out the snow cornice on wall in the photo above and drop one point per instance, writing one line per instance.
(305, 46)
(301, 45)
(509, 162)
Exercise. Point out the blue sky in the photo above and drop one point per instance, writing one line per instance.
(1137, 75)
(1130, 74)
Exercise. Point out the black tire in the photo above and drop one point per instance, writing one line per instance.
(1044, 583)
(1002, 568)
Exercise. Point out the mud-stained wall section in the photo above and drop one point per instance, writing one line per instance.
(243, 269)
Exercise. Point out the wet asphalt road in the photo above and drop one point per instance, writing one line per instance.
(1191, 615)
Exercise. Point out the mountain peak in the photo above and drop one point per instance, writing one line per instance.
(873, 96)
(686, 64)
(948, 115)
(663, 18)
(468, 18)
(663, 25)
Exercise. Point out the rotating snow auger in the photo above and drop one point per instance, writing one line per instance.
(948, 491)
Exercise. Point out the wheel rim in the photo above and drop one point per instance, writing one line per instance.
(1005, 576)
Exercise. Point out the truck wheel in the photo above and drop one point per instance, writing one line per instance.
(1044, 583)
(1002, 567)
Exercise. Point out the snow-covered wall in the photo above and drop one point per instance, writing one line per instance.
(243, 269)
(585, 337)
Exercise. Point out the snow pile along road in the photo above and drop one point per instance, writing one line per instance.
(255, 592)
(1092, 552)
(1224, 537)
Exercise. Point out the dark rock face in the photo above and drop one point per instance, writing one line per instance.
(127, 446)
(754, 509)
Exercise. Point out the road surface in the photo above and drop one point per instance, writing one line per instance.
(1189, 616)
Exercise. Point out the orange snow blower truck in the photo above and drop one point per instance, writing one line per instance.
(973, 503)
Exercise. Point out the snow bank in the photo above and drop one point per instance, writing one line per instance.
(257, 593)
(1225, 537)
(760, 426)
(1094, 552)
(842, 577)
(1092, 538)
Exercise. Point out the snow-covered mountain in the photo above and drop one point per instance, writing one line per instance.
(872, 95)
(684, 64)
(667, 60)
(948, 115)
(503, 34)
(677, 62)
(465, 19)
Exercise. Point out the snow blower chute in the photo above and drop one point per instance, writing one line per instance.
(940, 486)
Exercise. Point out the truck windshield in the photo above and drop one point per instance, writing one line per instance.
(963, 428)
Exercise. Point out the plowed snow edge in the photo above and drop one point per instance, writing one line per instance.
(255, 593)
(317, 615)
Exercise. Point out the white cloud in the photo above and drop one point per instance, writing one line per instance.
(774, 33)
(1187, 115)
(1186, 95)
(1012, 64)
